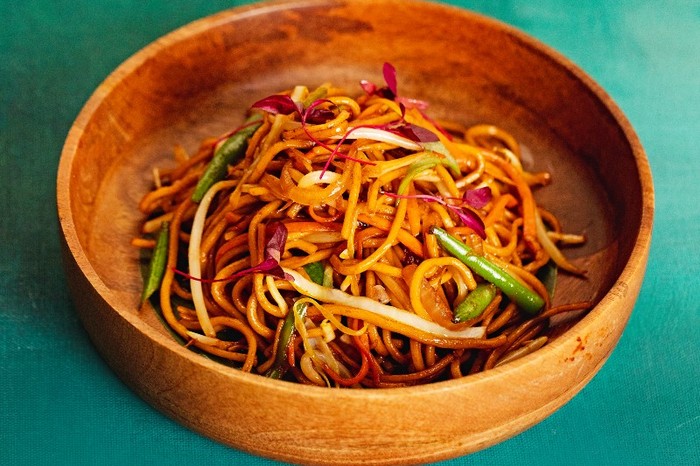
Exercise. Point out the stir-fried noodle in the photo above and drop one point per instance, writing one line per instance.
(356, 242)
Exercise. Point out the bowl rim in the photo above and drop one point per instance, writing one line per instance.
(637, 259)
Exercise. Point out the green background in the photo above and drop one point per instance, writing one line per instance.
(59, 402)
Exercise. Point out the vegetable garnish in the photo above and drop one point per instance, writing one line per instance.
(475, 303)
(527, 299)
(281, 104)
(352, 242)
(227, 154)
(156, 267)
(478, 197)
(553, 251)
(382, 314)
(269, 266)
(390, 91)
(475, 198)
(401, 133)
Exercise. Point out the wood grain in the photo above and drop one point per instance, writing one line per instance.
(196, 81)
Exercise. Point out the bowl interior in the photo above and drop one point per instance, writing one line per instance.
(198, 82)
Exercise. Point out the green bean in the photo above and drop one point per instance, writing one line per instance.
(475, 303)
(279, 367)
(156, 266)
(525, 298)
(227, 154)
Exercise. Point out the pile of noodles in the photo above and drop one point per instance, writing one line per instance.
(313, 259)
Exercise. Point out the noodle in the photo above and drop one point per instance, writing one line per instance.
(315, 259)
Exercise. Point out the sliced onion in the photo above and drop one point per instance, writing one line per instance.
(193, 252)
(382, 312)
(318, 177)
(376, 134)
(554, 253)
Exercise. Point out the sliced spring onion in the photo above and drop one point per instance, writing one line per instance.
(415, 169)
(439, 147)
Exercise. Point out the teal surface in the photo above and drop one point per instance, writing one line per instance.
(59, 402)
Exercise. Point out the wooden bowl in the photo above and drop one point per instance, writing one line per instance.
(197, 81)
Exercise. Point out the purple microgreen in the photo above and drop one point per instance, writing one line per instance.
(278, 105)
(314, 114)
(390, 91)
(413, 132)
(406, 130)
(390, 77)
(278, 239)
(336, 151)
(269, 266)
(318, 116)
(468, 217)
(412, 103)
(369, 87)
(437, 125)
(477, 198)
(386, 92)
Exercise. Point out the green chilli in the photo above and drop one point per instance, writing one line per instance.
(227, 154)
(526, 299)
(475, 303)
(156, 267)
